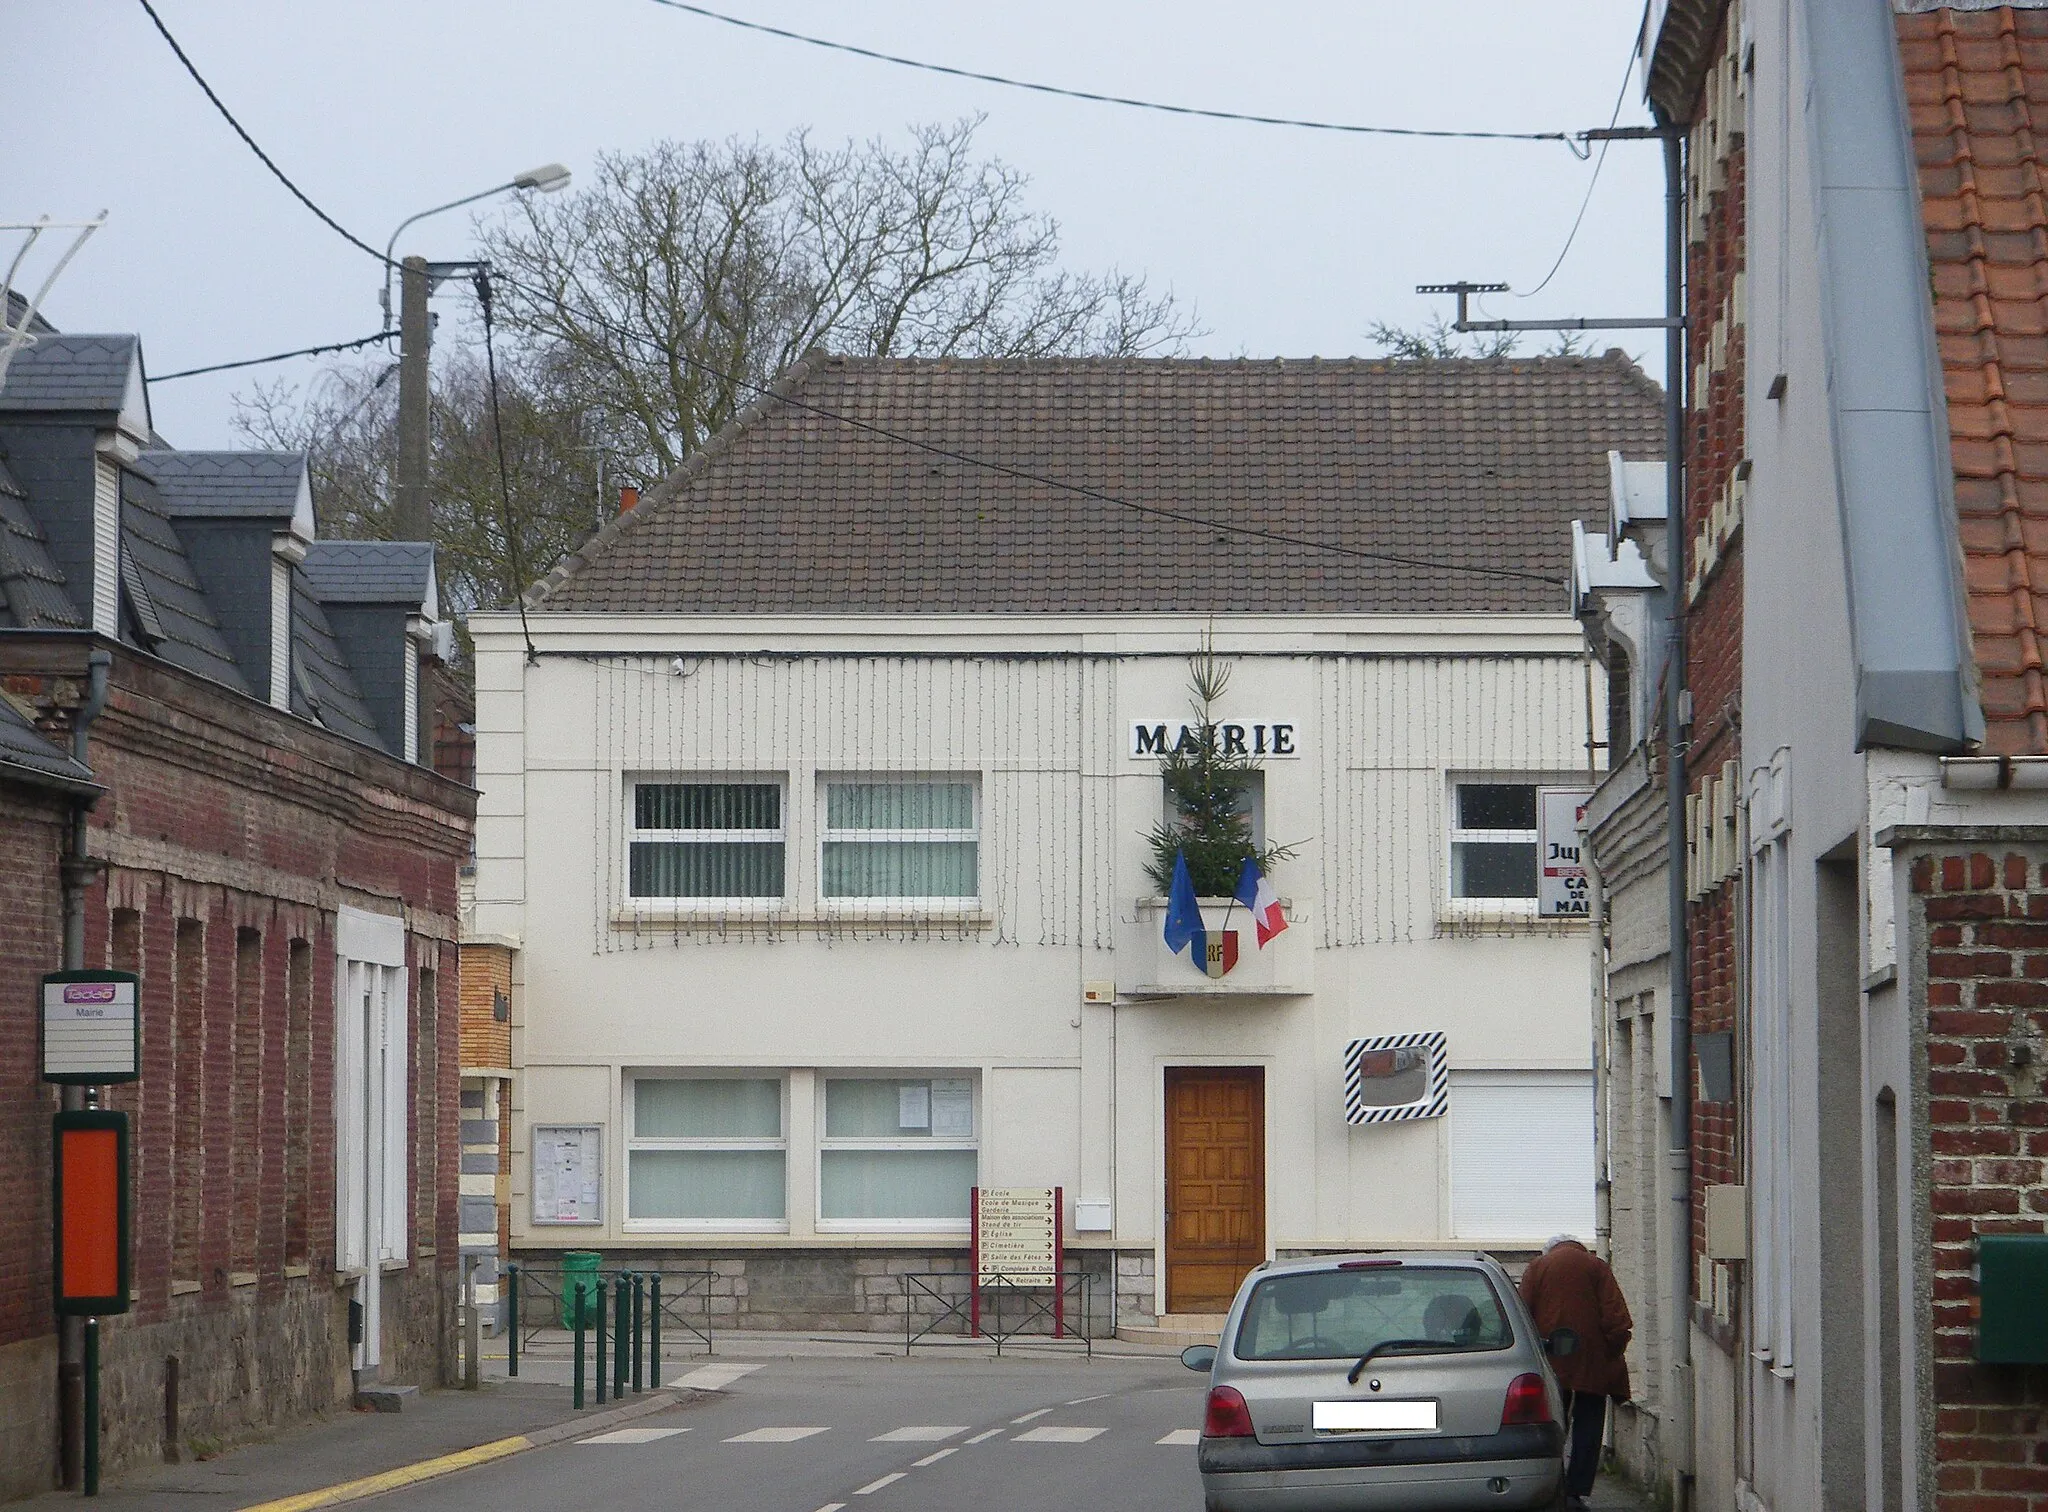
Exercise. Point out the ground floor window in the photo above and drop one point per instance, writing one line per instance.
(707, 1153)
(897, 1152)
(1522, 1157)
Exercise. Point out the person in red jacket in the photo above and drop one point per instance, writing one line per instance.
(1568, 1286)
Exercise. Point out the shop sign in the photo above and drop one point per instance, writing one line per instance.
(1562, 891)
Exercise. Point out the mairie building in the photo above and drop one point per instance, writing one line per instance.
(815, 799)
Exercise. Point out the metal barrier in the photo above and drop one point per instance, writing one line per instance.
(1038, 1304)
(628, 1311)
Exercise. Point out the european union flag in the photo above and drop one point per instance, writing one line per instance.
(1184, 925)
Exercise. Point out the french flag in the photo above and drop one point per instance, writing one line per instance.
(1257, 895)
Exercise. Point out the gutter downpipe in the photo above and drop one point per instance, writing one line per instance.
(76, 871)
(1679, 1019)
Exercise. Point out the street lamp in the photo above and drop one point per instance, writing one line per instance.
(413, 517)
(547, 179)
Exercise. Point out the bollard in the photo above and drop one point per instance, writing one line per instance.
(576, 1311)
(472, 1329)
(639, 1377)
(654, 1330)
(622, 1346)
(600, 1341)
(512, 1311)
(92, 1406)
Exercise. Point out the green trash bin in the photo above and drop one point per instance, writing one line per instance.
(579, 1273)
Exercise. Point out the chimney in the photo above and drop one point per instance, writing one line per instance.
(629, 497)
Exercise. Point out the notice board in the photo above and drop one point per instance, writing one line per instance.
(568, 1173)
(1017, 1235)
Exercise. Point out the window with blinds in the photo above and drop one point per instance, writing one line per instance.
(915, 841)
(707, 841)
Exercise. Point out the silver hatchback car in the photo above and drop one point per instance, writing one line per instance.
(1400, 1381)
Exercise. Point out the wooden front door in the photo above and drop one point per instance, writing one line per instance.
(1215, 1183)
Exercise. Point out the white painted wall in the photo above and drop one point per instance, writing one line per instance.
(1039, 709)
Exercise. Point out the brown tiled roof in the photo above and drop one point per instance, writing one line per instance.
(1975, 84)
(793, 510)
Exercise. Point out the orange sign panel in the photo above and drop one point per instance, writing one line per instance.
(92, 1212)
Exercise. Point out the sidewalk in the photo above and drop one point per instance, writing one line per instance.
(349, 1446)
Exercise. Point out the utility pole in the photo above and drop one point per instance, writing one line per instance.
(413, 519)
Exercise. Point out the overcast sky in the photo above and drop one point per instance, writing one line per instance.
(1286, 242)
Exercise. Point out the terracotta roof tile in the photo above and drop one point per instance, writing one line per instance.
(794, 511)
(1975, 83)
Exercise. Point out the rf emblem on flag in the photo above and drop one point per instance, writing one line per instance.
(1222, 953)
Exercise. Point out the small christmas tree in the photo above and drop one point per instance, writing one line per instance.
(1205, 789)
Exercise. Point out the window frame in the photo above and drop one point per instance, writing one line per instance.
(879, 1144)
(1254, 784)
(827, 835)
(1458, 904)
(634, 1142)
(629, 790)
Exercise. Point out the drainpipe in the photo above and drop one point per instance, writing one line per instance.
(76, 871)
(1679, 1020)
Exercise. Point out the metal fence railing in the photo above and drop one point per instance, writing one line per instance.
(622, 1316)
(998, 1308)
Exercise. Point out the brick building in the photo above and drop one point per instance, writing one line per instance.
(268, 852)
(1867, 756)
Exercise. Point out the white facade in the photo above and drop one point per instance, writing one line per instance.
(1044, 993)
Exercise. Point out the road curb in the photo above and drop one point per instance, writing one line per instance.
(478, 1454)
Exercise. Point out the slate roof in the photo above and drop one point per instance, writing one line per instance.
(230, 484)
(32, 595)
(371, 572)
(1446, 463)
(323, 688)
(26, 753)
(17, 306)
(1973, 83)
(71, 372)
(167, 591)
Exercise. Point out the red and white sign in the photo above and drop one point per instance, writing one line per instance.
(1562, 891)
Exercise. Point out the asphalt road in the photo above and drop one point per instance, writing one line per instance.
(874, 1434)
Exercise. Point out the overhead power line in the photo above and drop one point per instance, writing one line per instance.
(246, 362)
(765, 391)
(1592, 183)
(1348, 128)
(250, 142)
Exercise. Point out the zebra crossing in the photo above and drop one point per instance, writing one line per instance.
(910, 1433)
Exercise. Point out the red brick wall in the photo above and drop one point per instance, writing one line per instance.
(1713, 654)
(486, 972)
(1986, 920)
(231, 835)
(31, 943)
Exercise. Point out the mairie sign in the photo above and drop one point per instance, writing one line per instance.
(1153, 738)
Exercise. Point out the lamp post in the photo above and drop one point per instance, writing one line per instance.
(413, 520)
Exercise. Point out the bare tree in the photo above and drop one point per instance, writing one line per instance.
(348, 422)
(688, 272)
(1440, 338)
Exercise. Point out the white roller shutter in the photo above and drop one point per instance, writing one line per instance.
(1522, 1164)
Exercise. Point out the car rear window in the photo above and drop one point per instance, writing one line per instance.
(1340, 1314)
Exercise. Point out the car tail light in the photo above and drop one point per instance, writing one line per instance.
(1227, 1415)
(1528, 1401)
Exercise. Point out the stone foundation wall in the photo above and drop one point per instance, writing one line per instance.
(851, 1290)
(250, 1360)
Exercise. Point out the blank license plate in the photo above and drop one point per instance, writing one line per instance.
(1375, 1417)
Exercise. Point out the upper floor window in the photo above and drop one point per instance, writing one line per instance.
(718, 841)
(1493, 840)
(902, 840)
